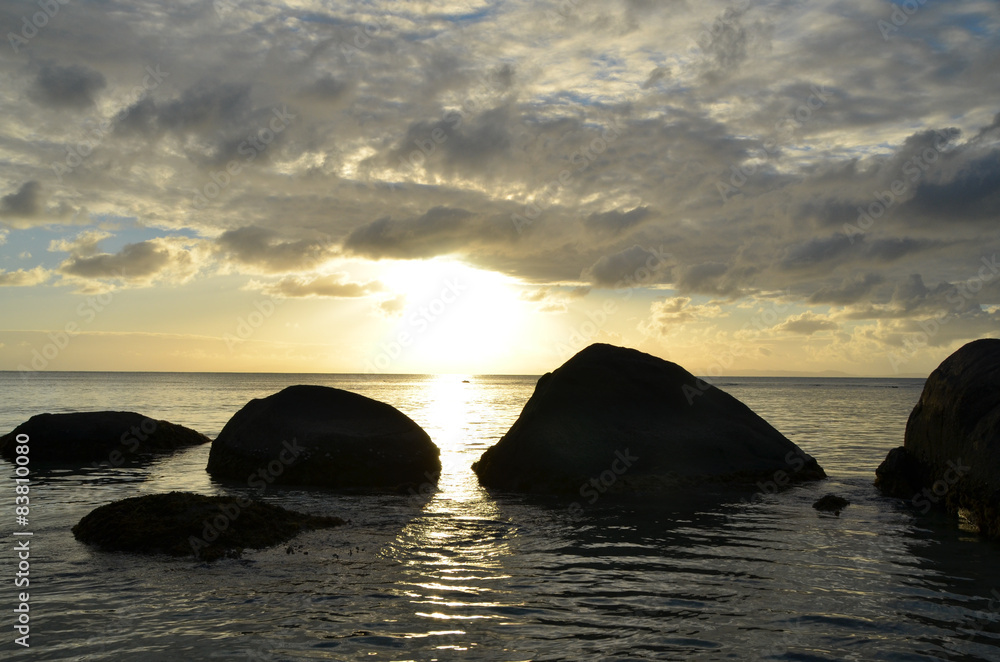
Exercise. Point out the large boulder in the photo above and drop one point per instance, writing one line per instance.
(103, 438)
(950, 457)
(617, 420)
(316, 435)
(186, 524)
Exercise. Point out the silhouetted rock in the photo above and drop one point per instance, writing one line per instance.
(105, 438)
(316, 435)
(616, 419)
(831, 503)
(950, 456)
(186, 524)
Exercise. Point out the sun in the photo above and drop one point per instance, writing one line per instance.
(453, 317)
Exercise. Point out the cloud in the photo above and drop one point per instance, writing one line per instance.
(807, 324)
(25, 203)
(24, 278)
(72, 87)
(850, 290)
(392, 306)
(627, 267)
(439, 231)
(554, 299)
(325, 88)
(673, 312)
(620, 122)
(615, 221)
(3, 236)
(263, 250)
(139, 264)
(655, 76)
(333, 286)
(816, 251)
(84, 244)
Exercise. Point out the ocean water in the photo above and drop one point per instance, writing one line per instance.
(466, 574)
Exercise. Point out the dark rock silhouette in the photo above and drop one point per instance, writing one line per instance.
(950, 457)
(186, 524)
(316, 435)
(618, 420)
(110, 438)
(831, 503)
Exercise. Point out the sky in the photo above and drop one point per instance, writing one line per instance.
(483, 186)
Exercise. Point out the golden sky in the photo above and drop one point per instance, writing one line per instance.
(487, 187)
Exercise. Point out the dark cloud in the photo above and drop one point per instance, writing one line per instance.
(716, 279)
(972, 194)
(629, 266)
(730, 40)
(850, 290)
(816, 251)
(206, 105)
(615, 221)
(25, 203)
(325, 88)
(263, 249)
(655, 76)
(457, 143)
(807, 324)
(439, 231)
(74, 86)
(134, 261)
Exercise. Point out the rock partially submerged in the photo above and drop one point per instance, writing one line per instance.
(831, 503)
(186, 524)
(105, 438)
(316, 435)
(950, 457)
(618, 420)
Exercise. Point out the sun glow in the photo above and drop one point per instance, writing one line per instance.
(450, 317)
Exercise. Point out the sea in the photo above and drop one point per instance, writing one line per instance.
(463, 573)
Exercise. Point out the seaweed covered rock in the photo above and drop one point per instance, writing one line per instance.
(186, 524)
(105, 438)
(316, 435)
(950, 457)
(618, 420)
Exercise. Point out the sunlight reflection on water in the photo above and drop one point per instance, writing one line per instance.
(464, 574)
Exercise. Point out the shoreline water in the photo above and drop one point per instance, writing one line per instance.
(472, 573)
